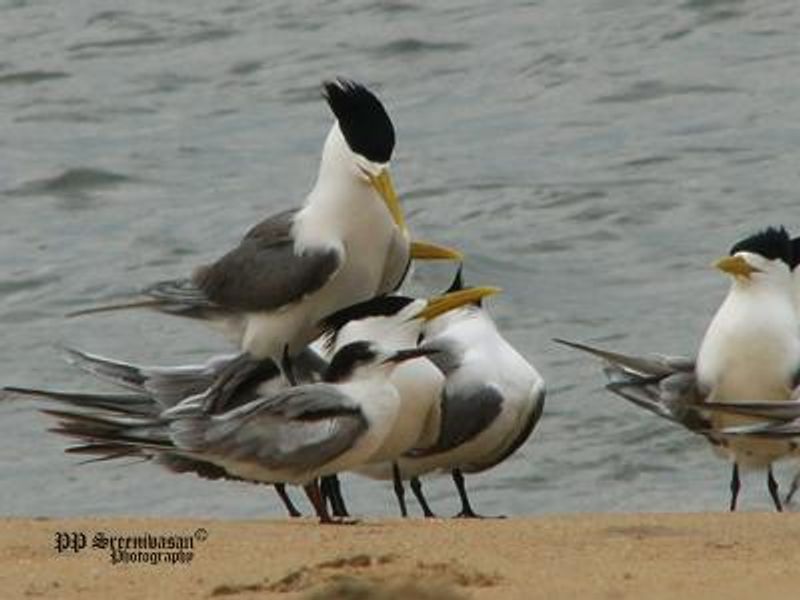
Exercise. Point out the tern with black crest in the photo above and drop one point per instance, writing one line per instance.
(349, 242)
(490, 400)
(398, 322)
(750, 354)
(214, 387)
(293, 435)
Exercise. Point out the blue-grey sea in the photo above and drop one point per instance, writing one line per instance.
(591, 158)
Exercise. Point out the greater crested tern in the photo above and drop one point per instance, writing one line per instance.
(490, 403)
(348, 243)
(397, 322)
(219, 385)
(294, 435)
(749, 355)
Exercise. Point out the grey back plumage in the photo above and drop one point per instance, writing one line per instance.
(524, 433)
(263, 272)
(296, 429)
(132, 425)
(465, 414)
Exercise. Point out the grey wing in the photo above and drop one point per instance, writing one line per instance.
(240, 380)
(665, 386)
(677, 398)
(768, 429)
(264, 272)
(221, 383)
(538, 408)
(464, 416)
(778, 419)
(771, 411)
(296, 429)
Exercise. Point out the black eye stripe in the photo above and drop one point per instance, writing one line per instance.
(347, 359)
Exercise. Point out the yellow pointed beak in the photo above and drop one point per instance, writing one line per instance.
(736, 266)
(438, 305)
(429, 251)
(385, 188)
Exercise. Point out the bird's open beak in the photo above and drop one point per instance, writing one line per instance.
(411, 353)
(385, 188)
(429, 251)
(736, 266)
(438, 305)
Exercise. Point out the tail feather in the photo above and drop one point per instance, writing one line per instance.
(119, 373)
(139, 434)
(105, 452)
(175, 297)
(654, 367)
(146, 303)
(128, 404)
(166, 385)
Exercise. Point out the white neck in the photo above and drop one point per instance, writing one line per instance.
(752, 346)
(341, 198)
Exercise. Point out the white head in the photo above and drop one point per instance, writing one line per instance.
(764, 259)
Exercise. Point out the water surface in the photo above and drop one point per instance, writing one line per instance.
(591, 158)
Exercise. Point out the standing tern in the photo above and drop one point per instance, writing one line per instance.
(225, 383)
(750, 354)
(489, 404)
(294, 435)
(348, 243)
(397, 322)
(221, 384)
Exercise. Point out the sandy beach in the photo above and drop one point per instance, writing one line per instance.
(609, 556)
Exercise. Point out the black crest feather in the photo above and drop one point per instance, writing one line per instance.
(347, 359)
(458, 284)
(773, 243)
(362, 118)
(381, 306)
(796, 250)
(458, 280)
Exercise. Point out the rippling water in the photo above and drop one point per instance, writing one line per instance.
(591, 158)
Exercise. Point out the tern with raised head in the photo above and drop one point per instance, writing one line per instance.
(750, 354)
(349, 242)
(490, 401)
(398, 322)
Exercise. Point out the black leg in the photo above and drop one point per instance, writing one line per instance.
(399, 489)
(287, 502)
(327, 494)
(466, 509)
(286, 366)
(772, 485)
(315, 497)
(736, 485)
(337, 493)
(332, 492)
(416, 487)
(793, 489)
